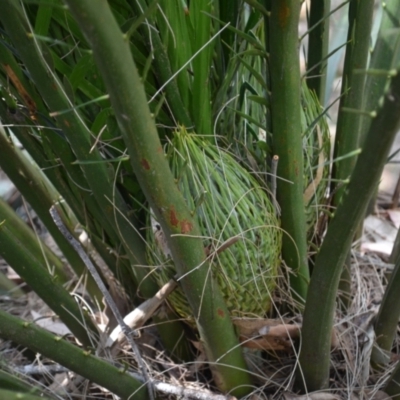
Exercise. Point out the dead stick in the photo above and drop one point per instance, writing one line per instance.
(128, 332)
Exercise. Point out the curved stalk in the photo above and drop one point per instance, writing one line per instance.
(20, 248)
(318, 315)
(41, 196)
(112, 55)
(163, 66)
(385, 56)
(287, 142)
(12, 382)
(97, 177)
(318, 43)
(202, 65)
(352, 94)
(72, 357)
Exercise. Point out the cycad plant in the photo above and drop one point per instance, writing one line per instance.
(184, 140)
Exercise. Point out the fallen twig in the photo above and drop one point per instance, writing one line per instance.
(110, 302)
(161, 387)
(141, 314)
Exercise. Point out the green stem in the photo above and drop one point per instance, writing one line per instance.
(385, 56)
(287, 142)
(31, 183)
(388, 316)
(318, 43)
(392, 388)
(11, 395)
(12, 382)
(318, 315)
(173, 335)
(202, 64)
(20, 248)
(72, 357)
(77, 201)
(98, 176)
(112, 55)
(9, 287)
(163, 69)
(352, 96)
(228, 12)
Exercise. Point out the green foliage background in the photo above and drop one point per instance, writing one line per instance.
(93, 90)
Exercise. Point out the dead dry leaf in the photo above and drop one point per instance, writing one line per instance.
(379, 235)
(269, 334)
(142, 313)
(50, 324)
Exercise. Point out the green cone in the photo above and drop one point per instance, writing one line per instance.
(232, 209)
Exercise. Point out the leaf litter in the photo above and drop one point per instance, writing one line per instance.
(270, 345)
